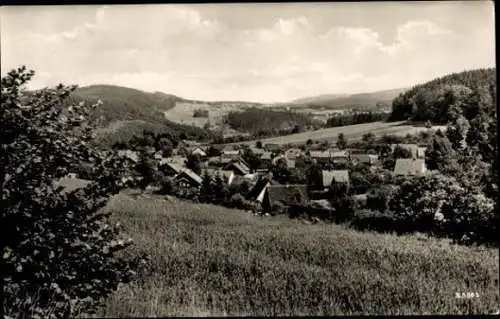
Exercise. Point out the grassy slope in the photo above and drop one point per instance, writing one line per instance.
(208, 260)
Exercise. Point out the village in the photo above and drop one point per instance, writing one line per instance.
(269, 194)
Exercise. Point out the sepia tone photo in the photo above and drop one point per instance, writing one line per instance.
(249, 159)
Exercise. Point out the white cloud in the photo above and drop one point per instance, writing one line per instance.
(179, 50)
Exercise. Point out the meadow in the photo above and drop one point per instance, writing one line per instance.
(351, 132)
(207, 260)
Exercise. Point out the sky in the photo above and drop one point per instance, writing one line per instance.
(253, 52)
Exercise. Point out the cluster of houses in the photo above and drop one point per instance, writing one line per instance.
(234, 170)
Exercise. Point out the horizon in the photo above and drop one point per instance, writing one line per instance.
(262, 53)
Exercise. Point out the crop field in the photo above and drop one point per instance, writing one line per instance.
(351, 132)
(207, 260)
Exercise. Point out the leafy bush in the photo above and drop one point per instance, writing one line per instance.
(60, 254)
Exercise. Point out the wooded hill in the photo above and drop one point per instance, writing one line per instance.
(434, 100)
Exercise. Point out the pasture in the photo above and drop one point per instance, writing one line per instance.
(351, 132)
(209, 260)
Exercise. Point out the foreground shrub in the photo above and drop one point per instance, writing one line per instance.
(60, 249)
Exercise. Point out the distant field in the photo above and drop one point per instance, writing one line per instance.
(183, 113)
(211, 261)
(351, 132)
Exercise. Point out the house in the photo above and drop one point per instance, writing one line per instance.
(188, 178)
(231, 154)
(339, 176)
(320, 157)
(238, 167)
(258, 190)
(169, 168)
(369, 159)
(410, 166)
(284, 195)
(199, 151)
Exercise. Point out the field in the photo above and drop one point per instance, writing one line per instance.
(208, 260)
(351, 132)
(183, 113)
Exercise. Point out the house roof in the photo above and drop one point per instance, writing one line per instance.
(339, 154)
(409, 166)
(339, 176)
(320, 154)
(199, 151)
(365, 158)
(242, 168)
(174, 166)
(272, 147)
(219, 160)
(230, 152)
(259, 186)
(257, 151)
(286, 194)
(190, 175)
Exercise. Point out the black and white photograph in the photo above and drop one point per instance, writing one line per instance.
(249, 159)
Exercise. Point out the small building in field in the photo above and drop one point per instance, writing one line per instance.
(337, 176)
(410, 166)
(188, 178)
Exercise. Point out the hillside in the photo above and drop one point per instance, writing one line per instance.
(469, 90)
(126, 112)
(361, 100)
(208, 260)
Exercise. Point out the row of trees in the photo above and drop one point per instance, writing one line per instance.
(356, 118)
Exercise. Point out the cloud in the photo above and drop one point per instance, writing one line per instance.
(178, 49)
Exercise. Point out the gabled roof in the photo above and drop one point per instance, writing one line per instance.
(199, 151)
(286, 194)
(365, 158)
(259, 186)
(340, 154)
(240, 167)
(409, 166)
(189, 174)
(219, 160)
(230, 152)
(173, 166)
(339, 176)
(320, 154)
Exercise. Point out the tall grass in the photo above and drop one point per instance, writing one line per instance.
(209, 260)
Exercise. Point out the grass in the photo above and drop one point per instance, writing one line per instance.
(351, 132)
(209, 260)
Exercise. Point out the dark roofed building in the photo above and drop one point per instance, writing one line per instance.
(238, 168)
(188, 178)
(364, 158)
(284, 195)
